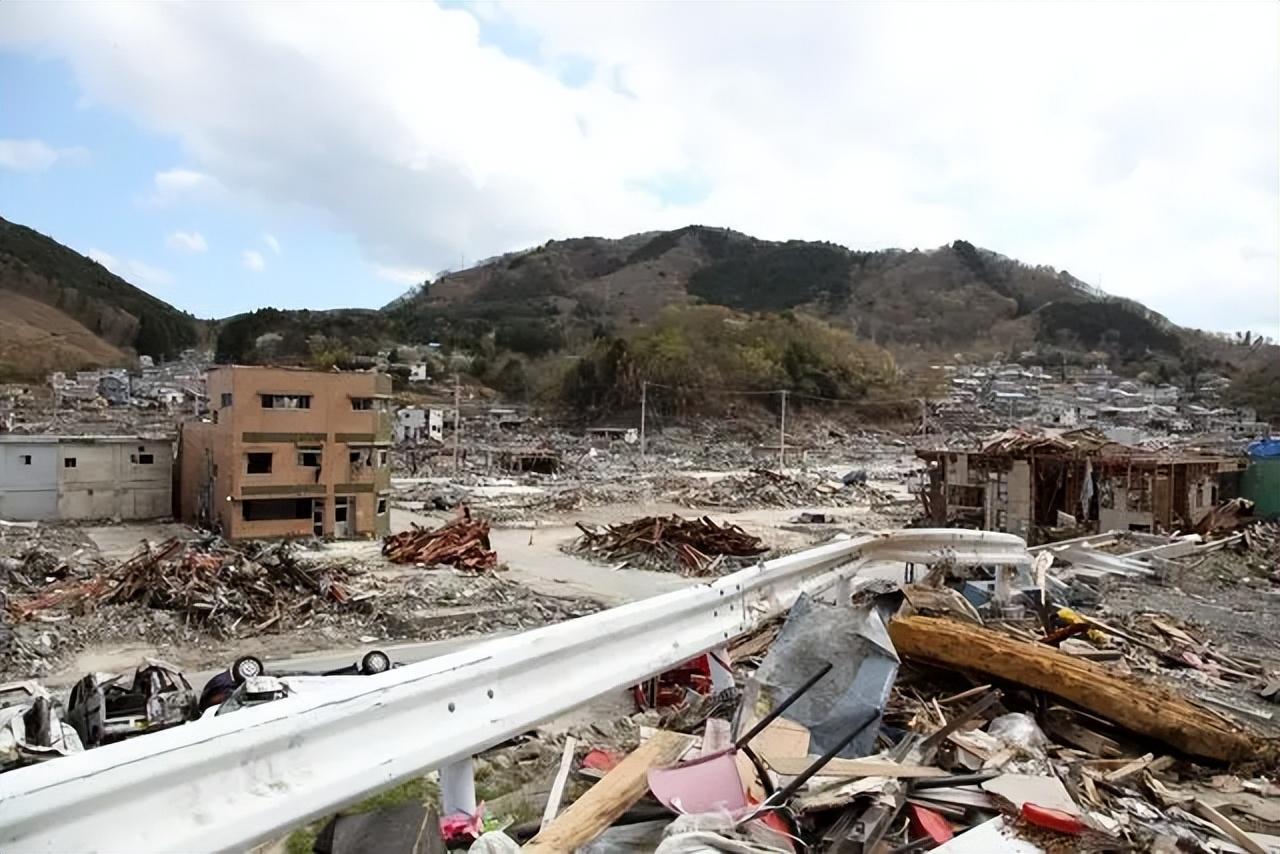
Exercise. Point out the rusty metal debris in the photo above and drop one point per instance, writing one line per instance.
(463, 543)
(693, 546)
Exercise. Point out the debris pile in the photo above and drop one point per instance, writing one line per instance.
(763, 488)
(962, 713)
(462, 543)
(1263, 540)
(209, 583)
(691, 546)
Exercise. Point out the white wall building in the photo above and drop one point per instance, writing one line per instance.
(85, 477)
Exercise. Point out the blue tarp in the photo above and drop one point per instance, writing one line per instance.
(1264, 449)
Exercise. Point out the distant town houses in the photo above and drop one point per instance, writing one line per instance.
(1093, 396)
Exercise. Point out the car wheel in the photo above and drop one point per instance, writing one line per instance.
(375, 662)
(247, 667)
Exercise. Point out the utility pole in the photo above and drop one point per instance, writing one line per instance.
(782, 436)
(457, 422)
(644, 392)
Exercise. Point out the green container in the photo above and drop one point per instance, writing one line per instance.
(1261, 485)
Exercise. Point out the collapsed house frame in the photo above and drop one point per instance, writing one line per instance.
(1030, 483)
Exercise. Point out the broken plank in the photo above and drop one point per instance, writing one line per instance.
(1126, 771)
(1228, 827)
(557, 786)
(1138, 706)
(791, 766)
(604, 802)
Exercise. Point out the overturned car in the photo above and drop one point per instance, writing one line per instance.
(246, 683)
(30, 729)
(103, 707)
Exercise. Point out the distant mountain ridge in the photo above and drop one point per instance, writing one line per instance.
(67, 311)
(955, 296)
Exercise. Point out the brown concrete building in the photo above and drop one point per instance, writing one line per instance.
(289, 453)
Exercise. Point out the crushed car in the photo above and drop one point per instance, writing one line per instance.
(246, 683)
(30, 729)
(103, 708)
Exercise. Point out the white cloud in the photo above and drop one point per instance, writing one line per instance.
(171, 186)
(271, 242)
(33, 155)
(137, 273)
(401, 275)
(187, 241)
(1146, 159)
(253, 260)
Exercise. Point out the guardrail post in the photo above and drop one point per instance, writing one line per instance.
(458, 787)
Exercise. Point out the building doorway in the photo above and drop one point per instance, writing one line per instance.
(342, 513)
(317, 516)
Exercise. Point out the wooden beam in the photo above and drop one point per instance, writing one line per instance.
(1138, 706)
(604, 802)
(792, 766)
(1228, 827)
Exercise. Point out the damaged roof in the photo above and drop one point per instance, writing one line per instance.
(1081, 442)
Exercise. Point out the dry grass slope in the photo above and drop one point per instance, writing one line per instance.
(36, 338)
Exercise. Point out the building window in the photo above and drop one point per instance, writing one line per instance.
(382, 505)
(382, 457)
(142, 459)
(258, 463)
(362, 403)
(275, 509)
(286, 401)
(26, 459)
(309, 459)
(68, 462)
(226, 398)
(353, 457)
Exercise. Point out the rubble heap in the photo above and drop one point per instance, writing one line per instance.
(691, 546)
(934, 715)
(462, 543)
(209, 583)
(763, 488)
(1264, 541)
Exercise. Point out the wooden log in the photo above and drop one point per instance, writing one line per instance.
(1141, 707)
(608, 799)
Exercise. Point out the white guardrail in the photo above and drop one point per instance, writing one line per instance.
(230, 782)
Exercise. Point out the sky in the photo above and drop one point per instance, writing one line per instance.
(227, 156)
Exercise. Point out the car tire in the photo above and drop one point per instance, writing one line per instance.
(247, 667)
(375, 662)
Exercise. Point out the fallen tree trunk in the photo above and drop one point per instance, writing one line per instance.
(1136, 705)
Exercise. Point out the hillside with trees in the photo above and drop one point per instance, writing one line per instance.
(103, 319)
(708, 304)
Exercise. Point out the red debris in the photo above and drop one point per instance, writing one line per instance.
(463, 543)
